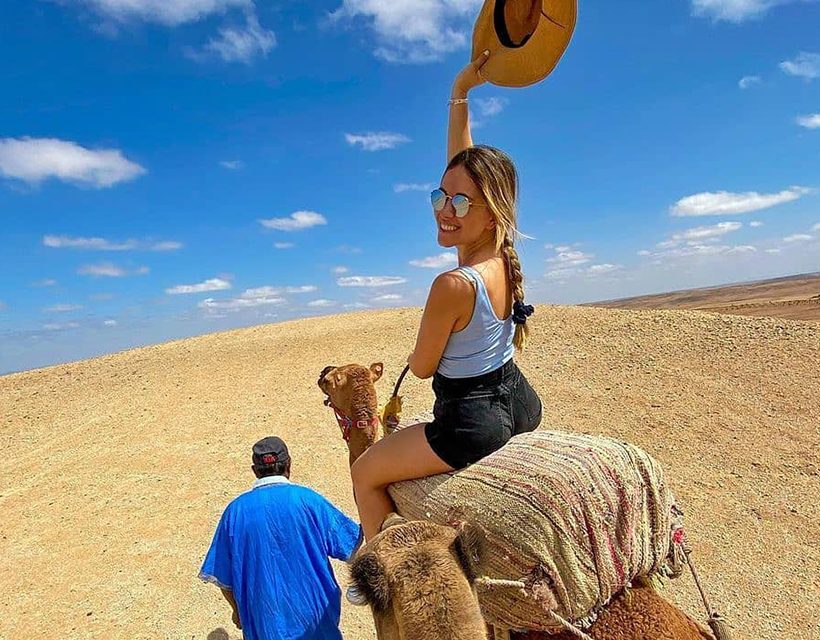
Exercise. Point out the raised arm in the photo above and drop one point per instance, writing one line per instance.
(458, 130)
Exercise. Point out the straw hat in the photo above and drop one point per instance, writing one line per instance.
(526, 38)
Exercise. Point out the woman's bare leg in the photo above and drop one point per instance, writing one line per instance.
(402, 455)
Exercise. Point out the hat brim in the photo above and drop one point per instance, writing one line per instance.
(535, 60)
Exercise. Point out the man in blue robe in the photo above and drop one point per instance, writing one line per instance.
(270, 554)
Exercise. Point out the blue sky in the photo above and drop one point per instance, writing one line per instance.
(175, 167)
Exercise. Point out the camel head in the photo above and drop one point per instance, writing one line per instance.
(418, 578)
(351, 392)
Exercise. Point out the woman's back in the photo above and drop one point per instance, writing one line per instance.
(484, 342)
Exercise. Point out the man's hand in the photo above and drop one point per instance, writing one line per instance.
(228, 595)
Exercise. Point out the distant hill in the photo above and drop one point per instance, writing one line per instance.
(792, 298)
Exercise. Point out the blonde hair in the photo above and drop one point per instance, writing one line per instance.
(493, 172)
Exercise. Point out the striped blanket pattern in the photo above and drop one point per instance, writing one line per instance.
(575, 517)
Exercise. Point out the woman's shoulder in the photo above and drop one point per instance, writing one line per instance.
(452, 284)
(454, 280)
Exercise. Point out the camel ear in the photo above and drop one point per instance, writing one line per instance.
(324, 372)
(369, 576)
(376, 370)
(470, 546)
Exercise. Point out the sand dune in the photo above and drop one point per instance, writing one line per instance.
(114, 471)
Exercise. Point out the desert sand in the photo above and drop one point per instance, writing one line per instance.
(114, 471)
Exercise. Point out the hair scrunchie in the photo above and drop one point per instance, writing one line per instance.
(521, 312)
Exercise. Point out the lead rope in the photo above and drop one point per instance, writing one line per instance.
(489, 583)
(399, 381)
(715, 621)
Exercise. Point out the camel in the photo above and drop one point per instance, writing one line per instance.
(421, 578)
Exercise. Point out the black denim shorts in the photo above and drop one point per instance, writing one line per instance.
(475, 416)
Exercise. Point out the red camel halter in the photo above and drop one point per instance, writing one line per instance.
(346, 423)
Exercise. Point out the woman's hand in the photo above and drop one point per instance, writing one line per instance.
(470, 76)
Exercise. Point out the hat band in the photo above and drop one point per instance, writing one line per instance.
(501, 27)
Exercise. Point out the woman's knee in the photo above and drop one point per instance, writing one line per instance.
(362, 473)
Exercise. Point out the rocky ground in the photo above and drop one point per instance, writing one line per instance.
(114, 471)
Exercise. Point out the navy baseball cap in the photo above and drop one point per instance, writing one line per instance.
(269, 451)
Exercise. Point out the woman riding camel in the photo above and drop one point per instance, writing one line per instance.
(473, 320)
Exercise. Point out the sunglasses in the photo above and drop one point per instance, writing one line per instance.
(461, 203)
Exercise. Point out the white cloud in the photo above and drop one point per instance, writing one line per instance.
(269, 292)
(321, 302)
(309, 288)
(63, 308)
(804, 65)
(489, 107)
(702, 233)
(376, 141)
(816, 227)
(241, 44)
(165, 245)
(283, 245)
(357, 305)
(109, 270)
(212, 284)
(798, 237)
(413, 186)
(772, 250)
(749, 81)
(413, 31)
(101, 244)
(232, 165)
(33, 160)
(239, 304)
(261, 292)
(48, 282)
(110, 323)
(566, 256)
(54, 326)
(340, 270)
(811, 121)
(600, 269)
(566, 272)
(755, 223)
(95, 244)
(734, 10)
(388, 297)
(296, 221)
(370, 281)
(695, 250)
(728, 203)
(436, 262)
(167, 12)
